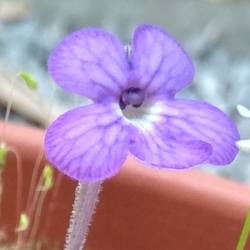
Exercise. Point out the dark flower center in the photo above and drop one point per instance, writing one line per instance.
(132, 96)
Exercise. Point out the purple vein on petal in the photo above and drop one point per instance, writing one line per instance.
(94, 150)
(90, 59)
(159, 63)
(201, 121)
(159, 150)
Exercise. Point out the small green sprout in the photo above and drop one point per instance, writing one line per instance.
(47, 175)
(29, 80)
(47, 171)
(3, 153)
(23, 222)
(48, 183)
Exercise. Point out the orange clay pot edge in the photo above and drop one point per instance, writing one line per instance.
(178, 191)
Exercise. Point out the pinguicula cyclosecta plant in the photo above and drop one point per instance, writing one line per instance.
(134, 109)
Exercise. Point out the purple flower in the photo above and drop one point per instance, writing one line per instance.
(134, 107)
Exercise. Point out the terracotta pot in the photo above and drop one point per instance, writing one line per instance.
(139, 208)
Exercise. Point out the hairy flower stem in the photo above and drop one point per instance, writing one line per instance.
(86, 196)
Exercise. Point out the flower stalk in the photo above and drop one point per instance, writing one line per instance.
(86, 196)
(244, 233)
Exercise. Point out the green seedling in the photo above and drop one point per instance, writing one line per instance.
(3, 153)
(23, 222)
(29, 80)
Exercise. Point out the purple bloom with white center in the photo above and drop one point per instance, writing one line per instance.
(134, 107)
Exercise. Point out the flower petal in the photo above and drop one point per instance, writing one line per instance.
(159, 64)
(90, 62)
(243, 145)
(88, 143)
(162, 151)
(201, 121)
(243, 111)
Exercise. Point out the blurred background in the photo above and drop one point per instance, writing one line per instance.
(215, 33)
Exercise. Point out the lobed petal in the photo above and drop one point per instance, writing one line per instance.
(89, 143)
(201, 121)
(160, 150)
(90, 62)
(159, 63)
